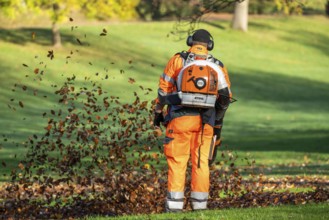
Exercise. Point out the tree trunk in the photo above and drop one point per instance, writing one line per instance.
(55, 29)
(240, 17)
(57, 42)
(156, 13)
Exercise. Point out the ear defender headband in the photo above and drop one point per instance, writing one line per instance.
(201, 35)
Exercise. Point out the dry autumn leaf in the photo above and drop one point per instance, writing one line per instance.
(50, 54)
(131, 80)
(78, 40)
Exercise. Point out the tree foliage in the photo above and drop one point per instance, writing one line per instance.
(159, 9)
(100, 9)
(13, 8)
(105, 9)
(59, 10)
(290, 6)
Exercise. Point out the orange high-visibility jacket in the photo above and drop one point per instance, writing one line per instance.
(167, 92)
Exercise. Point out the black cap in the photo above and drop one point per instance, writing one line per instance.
(201, 35)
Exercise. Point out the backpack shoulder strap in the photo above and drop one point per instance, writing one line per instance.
(187, 57)
(214, 60)
(184, 54)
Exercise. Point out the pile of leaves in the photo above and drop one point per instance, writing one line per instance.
(99, 156)
(95, 150)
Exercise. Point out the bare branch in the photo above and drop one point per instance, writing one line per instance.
(200, 8)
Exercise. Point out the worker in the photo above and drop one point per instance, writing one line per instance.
(192, 112)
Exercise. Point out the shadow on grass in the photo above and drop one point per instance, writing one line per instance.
(309, 143)
(283, 92)
(297, 170)
(316, 40)
(43, 36)
(286, 95)
(214, 24)
(259, 26)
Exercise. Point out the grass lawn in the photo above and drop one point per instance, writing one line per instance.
(303, 212)
(278, 71)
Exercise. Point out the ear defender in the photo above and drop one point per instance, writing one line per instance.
(210, 44)
(189, 41)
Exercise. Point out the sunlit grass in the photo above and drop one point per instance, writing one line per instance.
(304, 212)
(278, 71)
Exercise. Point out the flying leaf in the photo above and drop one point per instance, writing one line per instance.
(131, 80)
(104, 32)
(79, 41)
(36, 70)
(50, 54)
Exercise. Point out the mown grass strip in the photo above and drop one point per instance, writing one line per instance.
(303, 212)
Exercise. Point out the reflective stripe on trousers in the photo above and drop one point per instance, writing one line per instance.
(199, 200)
(175, 201)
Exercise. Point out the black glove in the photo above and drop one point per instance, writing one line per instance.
(158, 118)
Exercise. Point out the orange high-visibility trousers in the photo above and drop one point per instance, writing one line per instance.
(185, 137)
